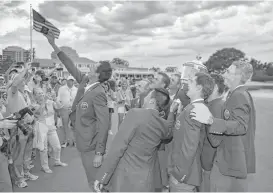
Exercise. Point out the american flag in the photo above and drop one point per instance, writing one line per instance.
(40, 24)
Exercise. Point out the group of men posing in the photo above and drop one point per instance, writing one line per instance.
(200, 142)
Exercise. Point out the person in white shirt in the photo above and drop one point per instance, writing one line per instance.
(66, 96)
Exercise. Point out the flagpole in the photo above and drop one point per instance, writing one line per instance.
(30, 31)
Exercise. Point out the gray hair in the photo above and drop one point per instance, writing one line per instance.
(245, 69)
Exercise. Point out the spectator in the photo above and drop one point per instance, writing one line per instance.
(15, 102)
(124, 97)
(45, 114)
(66, 96)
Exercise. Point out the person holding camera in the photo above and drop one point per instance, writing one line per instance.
(5, 181)
(16, 100)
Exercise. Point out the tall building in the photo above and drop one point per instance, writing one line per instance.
(16, 54)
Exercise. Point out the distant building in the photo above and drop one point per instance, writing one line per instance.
(15, 54)
(83, 64)
(131, 72)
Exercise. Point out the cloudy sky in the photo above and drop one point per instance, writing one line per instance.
(144, 33)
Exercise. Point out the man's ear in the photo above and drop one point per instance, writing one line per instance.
(199, 87)
(162, 114)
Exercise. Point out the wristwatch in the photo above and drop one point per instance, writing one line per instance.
(210, 122)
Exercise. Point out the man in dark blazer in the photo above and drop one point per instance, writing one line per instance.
(215, 105)
(235, 156)
(184, 166)
(131, 162)
(92, 114)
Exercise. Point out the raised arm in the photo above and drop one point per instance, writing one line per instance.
(68, 63)
(18, 79)
(6, 76)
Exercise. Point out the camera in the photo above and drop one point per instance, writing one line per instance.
(19, 116)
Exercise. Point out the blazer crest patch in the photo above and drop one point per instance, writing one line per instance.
(84, 105)
(226, 114)
(177, 125)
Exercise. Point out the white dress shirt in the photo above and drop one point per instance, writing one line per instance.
(89, 86)
(67, 95)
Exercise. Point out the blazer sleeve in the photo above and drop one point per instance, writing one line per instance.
(188, 148)
(70, 66)
(102, 114)
(214, 140)
(119, 146)
(170, 126)
(237, 123)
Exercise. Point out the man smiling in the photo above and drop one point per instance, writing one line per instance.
(235, 156)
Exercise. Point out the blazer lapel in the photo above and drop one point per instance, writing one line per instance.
(80, 98)
(90, 89)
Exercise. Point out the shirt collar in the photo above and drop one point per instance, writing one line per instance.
(90, 85)
(197, 100)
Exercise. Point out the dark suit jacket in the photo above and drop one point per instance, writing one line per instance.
(209, 150)
(92, 114)
(236, 153)
(131, 161)
(80, 93)
(184, 160)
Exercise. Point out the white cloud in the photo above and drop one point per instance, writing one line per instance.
(145, 33)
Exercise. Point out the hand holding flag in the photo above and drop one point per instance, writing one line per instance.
(50, 37)
(40, 24)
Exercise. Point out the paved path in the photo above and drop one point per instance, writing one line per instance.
(73, 179)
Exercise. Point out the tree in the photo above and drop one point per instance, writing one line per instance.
(155, 69)
(120, 62)
(171, 69)
(269, 70)
(223, 58)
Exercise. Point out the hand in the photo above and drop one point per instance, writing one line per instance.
(201, 113)
(97, 161)
(50, 37)
(97, 186)
(180, 108)
(217, 131)
(1, 141)
(8, 124)
(174, 106)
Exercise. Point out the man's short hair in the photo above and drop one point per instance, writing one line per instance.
(162, 98)
(105, 71)
(177, 75)
(166, 79)
(207, 83)
(245, 69)
(219, 80)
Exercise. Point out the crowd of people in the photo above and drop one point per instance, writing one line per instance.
(156, 134)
